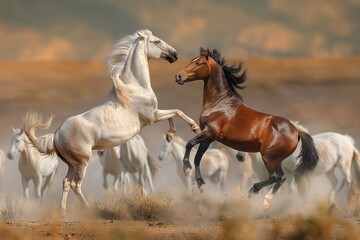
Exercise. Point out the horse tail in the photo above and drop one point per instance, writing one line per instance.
(32, 122)
(355, 169)
(308, 159)
(152, 164)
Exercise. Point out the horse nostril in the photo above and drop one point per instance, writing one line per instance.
(9, 156)
(178, 77)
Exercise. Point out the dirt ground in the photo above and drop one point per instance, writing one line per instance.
(322, 94)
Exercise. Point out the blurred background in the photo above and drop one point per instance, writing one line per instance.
(302, 59)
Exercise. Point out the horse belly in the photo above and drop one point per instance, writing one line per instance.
(244, 146)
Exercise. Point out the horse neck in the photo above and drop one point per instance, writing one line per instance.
(136, 69)
(178, 149)
(215, 87)
(29, 153)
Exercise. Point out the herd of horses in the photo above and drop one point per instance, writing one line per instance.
(277, 149)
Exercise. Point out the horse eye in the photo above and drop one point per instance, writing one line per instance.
(157, 41)
(198, 63)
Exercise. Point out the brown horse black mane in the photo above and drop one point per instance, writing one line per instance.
(235, 75)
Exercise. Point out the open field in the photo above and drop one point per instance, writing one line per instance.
(322, 94)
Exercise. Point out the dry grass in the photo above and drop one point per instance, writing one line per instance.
(178, 215)
(13, 208)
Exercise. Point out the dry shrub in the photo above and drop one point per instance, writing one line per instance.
(354, 202)
(322, 225)
(138, 207)
(113, 207)
(150, 207)
(13, 207)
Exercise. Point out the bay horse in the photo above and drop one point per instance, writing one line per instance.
(227, 119)
(335, 151)
(214, 164)
(130, 106)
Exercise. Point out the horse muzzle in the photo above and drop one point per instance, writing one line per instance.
(172, 56)
(180, 79)
(10, 156)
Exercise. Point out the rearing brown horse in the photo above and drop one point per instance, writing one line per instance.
(227, 119)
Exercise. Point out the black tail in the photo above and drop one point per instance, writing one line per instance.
(308, 160)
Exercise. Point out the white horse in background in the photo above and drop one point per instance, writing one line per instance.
(32, 164)
(131, 158)
(130, 106)
(214, 164)
(2, 160)
(335, 151)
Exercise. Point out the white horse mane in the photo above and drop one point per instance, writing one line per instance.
(115, 63)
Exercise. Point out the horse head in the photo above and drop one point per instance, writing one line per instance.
(158, 48)
(198, 68)
(17, 143)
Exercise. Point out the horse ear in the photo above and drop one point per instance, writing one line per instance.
(13, 129)
(207, 53)
(141, 34)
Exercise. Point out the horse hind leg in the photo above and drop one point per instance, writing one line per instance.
(66, 187)
(268, 197)
(333, 182)
(75, 184)
(276, 175)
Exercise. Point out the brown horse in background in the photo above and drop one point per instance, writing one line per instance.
(227, 119)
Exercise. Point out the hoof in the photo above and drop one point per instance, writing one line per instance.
(187, 171)
(201, 184)
(202, 188)
(252, 192)
(169, 136)
(195, 128)
(186, 167)
(266, 205)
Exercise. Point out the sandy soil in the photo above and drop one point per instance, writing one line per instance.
(322, 94)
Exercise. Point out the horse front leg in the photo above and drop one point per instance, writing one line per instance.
(25, 185)
(199, 154)
(189, 145)
(169, 114)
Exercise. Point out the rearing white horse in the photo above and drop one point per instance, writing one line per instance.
(130, 106)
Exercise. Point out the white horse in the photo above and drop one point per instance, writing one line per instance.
(214, 165)
(2, 160)
(131, 158)
(130, 106)
(32, 164)
(335, 151)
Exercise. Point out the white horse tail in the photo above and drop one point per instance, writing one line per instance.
(152, 164)
(355, 169)
(34, 121)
